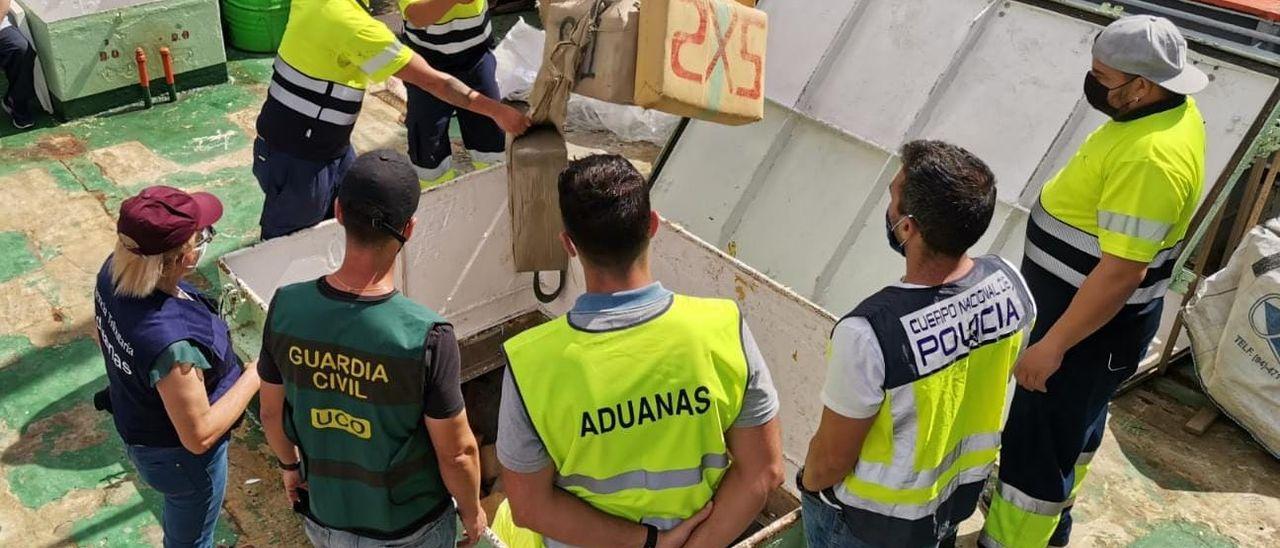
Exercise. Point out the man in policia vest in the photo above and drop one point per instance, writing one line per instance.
(1101, 244)
(919, 371)
(331, 50)
(454, 37)
(362, 402)
(643, 417)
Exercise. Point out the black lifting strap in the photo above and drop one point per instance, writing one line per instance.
(545, 298)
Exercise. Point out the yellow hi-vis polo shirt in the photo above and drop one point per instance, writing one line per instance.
(1129, 191)
(330, 52)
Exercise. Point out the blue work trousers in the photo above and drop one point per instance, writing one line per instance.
(427, 120)
(297, 192)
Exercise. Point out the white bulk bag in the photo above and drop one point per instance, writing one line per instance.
(1234, 323)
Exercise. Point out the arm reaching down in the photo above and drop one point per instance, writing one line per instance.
(834, 449)
(451, 90)
(756, 470)
(271, 407)
(199, 424)
(459, 459)
(1102, 295)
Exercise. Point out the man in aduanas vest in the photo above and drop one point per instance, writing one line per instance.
(642, 417)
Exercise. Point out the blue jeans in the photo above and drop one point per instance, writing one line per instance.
(297, 192)
(441, 533)
(825, 527)
(193, 487)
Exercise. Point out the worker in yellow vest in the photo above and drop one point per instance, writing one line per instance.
(918, 372)
(455, 37)
(1101, 245)
(642, 417)
(331, 50)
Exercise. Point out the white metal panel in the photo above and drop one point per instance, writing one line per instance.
(1005, 83)
(896, 54)
(809, 197)
(1231, 103)
(459, 261)
(720, 184)
(797, 40)
(301, 256)
(1014, 91)
(868, 265)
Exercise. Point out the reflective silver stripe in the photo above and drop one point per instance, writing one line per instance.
(1136, 227)
(646, 479)
(1028, 503)
(461, 23)
(452, 47)
(486, 157)
(337, 117)
(310, 109)
(428, 174)
(985, 541)
(914, 511)
(1079, 239)
(383, 59)
(1142, 295)
(297, 78)
(665, 524)
(291, 100)
(1085, 242)
(1084, 458)
(345, 93)
(902, 476)
(1052, 264)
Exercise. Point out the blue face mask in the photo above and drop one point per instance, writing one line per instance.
(889, 227)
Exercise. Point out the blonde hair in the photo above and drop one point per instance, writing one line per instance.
(137, 276)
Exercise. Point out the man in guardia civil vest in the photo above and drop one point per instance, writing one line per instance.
(642, 417)
(362, 403)
(918, 372)
(454, 37)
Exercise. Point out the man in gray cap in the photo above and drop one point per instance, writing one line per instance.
(1100, 249)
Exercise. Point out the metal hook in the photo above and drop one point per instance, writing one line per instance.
(545, 298)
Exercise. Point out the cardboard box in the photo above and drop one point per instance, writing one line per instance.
(703, 59)
(607, 66)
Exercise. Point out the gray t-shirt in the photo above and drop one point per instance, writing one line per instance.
(519, 447)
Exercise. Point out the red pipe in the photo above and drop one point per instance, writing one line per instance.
(140, 58)
(167, 61)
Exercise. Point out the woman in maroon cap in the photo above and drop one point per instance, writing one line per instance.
(176, 386)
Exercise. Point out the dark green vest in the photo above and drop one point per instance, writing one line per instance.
(353, 375)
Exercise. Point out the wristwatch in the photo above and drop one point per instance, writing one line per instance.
(289, 467)
(651, 536)
(800, 482)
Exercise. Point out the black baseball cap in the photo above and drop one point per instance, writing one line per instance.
(381, 188)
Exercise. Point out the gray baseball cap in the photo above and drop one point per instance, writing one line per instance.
(1150, 47)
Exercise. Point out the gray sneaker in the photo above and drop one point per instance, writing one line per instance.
(20, 120)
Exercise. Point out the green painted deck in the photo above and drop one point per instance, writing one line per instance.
(64, 479)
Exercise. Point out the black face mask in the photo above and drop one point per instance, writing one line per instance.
(900, 247)
(1096, 93)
